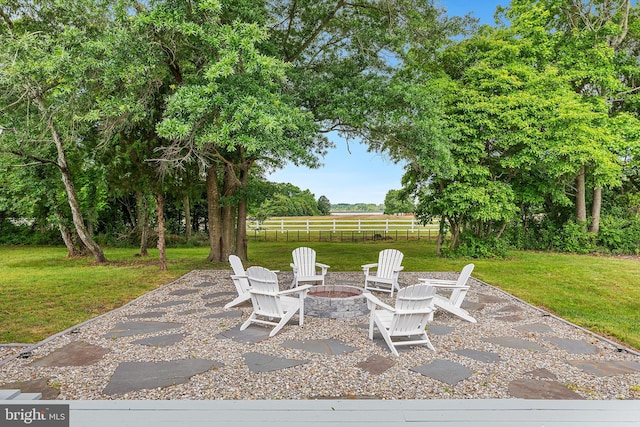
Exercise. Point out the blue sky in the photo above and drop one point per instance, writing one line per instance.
(352, 175)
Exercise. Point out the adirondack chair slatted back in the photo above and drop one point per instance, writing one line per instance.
(414, 309)
(240, 281)
(305, 261)
(458, 294)
(264, 292)
(389, 261)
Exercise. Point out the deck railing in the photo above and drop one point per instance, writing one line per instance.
(340, 229)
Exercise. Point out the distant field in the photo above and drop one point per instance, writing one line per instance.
(344, 227)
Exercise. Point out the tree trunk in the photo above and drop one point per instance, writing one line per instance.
(241, 232)
(581, 204)
(228, 214)
(143, 222)
(187, 217)
(595, 210)
(441, 229)
(162, 247)
(70, 190)
(67, 236)
(213, 208)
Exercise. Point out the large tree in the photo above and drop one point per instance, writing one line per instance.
(589, 42)
(44, 61)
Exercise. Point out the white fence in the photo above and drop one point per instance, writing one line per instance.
(340, 229)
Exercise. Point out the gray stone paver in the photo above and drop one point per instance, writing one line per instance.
(604, 368)
(147, 315)
(482, 356)
(126, 329)
(130, 376)
(183, 292)
(224, 315)
(534, 327)
(572, 346)
(444, 370)
(517, 343)
(253, 334)
(219, 295)
(171, 303)
(257, 362)
(160, 340)
(325, 346)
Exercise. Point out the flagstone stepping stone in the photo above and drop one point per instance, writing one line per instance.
(481, 356)
(445, 371)
(534, 327)
(224, 315)
(170, 303)
(472, 306)
(38, 385)
(205, 284)
(517, 343)
(258, 362)
(191, 311)
(376, 364)
(573, 346)
(131, 376)
(216, 304)
(541, 389)
(542, 373)
(489, 299)
(147, 315)
(218, 295)
(183, 292)
(324, 346)
(160, 340)
(439, 329)
(76, 353)
(511, 308)
(605, 368)
(512, 318)
(126, 329)
(251, 335)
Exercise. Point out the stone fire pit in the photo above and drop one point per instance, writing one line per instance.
(335, 302)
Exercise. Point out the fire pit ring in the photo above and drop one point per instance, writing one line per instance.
(335, 302)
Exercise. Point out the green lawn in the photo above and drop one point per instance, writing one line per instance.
(43, 292)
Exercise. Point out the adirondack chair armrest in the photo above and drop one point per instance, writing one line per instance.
(367, 267)
(295, 268)
(373, 301)
(400, 268)
(442, 283)
(303, 288)
(323, 266)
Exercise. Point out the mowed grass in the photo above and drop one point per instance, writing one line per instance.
(43, 292)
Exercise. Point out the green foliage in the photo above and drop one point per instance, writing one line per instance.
(398, 202)
(287, 200)
(356, 207)
(471, 246)
(324, 205)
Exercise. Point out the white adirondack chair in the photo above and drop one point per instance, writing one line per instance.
(457, 291)
(270, 303)
(413, 310)
(240, 280)
(387, 271)
(304, 267)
